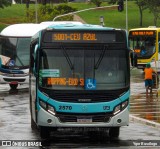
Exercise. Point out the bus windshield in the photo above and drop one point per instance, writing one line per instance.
(143, 46)
(17, 49)
(70, 68)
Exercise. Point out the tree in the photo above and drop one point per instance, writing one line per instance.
(154, 7)
(97, 2)
(47, 13)
(5, 3)
(142, 6)
(27, 4)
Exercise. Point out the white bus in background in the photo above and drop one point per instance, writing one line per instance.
(14, 53)
(48, 23)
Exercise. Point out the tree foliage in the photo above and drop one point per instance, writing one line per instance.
(112, 1)
(48, 12)
(154, 7)
(142, 6)
(97, 2)
(5, 3)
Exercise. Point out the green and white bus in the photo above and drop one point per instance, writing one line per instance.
(79, 78)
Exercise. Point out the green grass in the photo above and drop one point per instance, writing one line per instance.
(112, 18)
(12, 14)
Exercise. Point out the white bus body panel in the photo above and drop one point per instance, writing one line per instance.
(22, 30)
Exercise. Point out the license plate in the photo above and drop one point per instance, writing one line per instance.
(84, 120)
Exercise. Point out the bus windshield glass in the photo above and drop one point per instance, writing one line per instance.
(16, 49)
(83, 67)
(142, 44)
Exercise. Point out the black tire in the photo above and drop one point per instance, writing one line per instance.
(114, 132)
(33, 124)
(13, 86)
(99, 135)
(44, 132)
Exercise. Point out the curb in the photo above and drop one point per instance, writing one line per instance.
(144, 121)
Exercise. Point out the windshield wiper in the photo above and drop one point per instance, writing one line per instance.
(100, 58)
(68, 59)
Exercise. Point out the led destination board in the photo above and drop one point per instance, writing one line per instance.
(83, 36)
(74, 36)
(142, 33)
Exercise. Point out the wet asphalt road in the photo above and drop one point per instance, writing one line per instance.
(15, 125)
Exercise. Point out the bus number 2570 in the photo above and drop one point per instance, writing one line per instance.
(62, 108)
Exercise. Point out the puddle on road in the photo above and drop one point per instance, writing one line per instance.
(147, 108)
(139, 105)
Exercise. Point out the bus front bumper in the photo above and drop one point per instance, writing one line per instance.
(14, 80)
(48, 120)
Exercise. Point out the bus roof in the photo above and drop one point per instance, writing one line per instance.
(72, 26)
(146, 28)
(22, 30)
(60, 22)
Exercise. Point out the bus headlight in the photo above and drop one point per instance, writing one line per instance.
(51, 110)
(117, 109)
(43, 104)
(47, 107)
(124, 104)
(120, 107)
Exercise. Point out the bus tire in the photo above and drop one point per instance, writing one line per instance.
(33, 124)
(114, 132)
(44, 132)
(13, 86)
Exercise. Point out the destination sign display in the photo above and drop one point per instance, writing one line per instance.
(83, 36)
(65, 81)
(74, 36)
(142, 33)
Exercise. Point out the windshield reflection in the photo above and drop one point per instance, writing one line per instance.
(144, 47)
(16, 50)
(83, 69)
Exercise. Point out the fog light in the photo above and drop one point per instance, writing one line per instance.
(119, 121)
(49, 121)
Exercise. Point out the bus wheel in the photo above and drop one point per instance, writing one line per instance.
(114, 132)
(44, 132)
(33, 124)
(13, 86)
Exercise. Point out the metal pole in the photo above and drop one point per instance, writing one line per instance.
(102, 20)
(126, 16)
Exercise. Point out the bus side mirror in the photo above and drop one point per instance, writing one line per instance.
(35, 60)
(133, 57)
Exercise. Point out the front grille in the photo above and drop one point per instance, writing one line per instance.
(85, 97)
(12, 80)
(68, 117)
